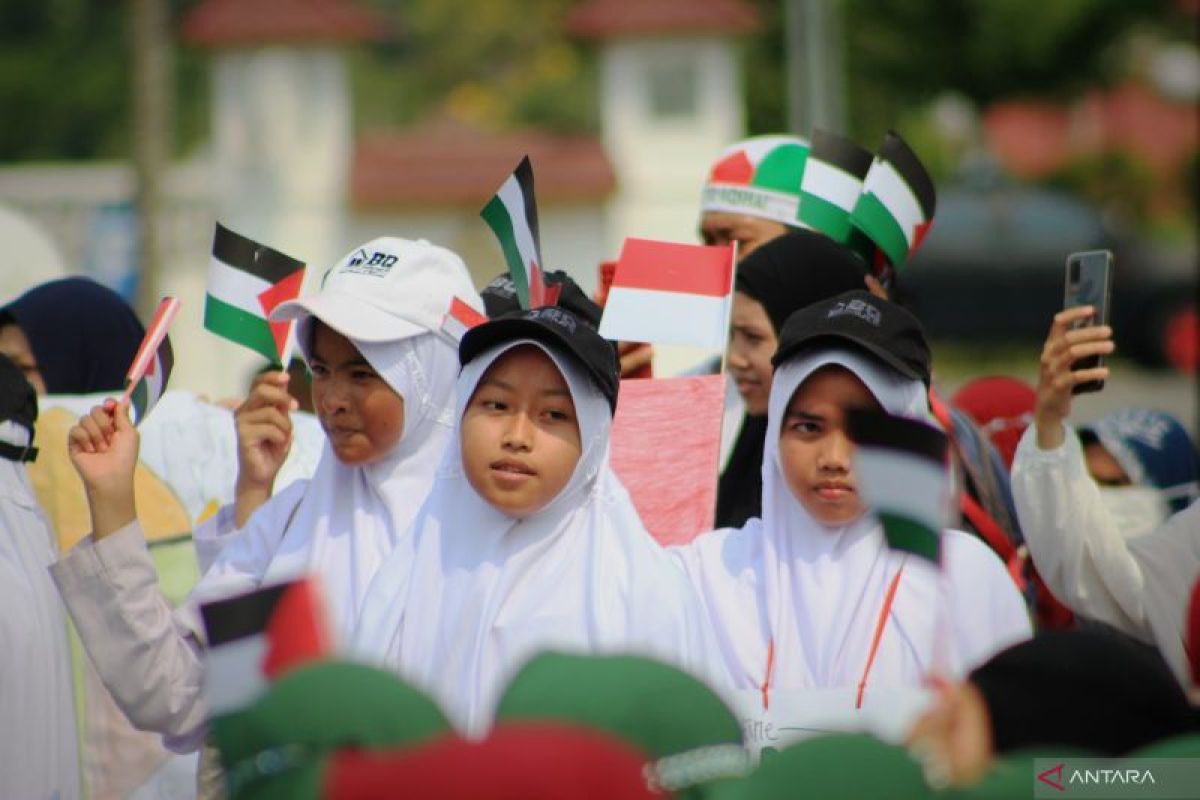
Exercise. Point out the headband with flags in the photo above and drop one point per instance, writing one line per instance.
(903, 477)
(246, 281)
(829, 190)
(146, 380)
(512, 216)
(897, 203)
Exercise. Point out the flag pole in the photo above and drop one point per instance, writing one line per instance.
(729, 311)
(285, 358)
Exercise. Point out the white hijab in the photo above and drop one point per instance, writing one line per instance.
(472, 593)
(350, 517)
(817, 591)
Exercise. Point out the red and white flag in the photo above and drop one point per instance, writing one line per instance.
(670, 293)
(147, 377)
(460, 318)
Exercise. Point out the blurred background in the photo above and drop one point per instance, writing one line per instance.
(312, 125)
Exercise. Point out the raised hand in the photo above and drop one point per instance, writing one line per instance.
(264, 432)
(1064, 346)
(103, 447)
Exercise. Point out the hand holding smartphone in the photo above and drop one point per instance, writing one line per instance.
(1089, 283)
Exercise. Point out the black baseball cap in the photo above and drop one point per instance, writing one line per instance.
(558, 327)
(500, 297)
(882, 328)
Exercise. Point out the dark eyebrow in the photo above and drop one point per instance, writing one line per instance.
(508, 387)
(354, 362)
(797, 414)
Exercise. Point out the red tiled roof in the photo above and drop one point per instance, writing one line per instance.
(603, 19)
(447, 164)
(1029, 138)
(227, 23)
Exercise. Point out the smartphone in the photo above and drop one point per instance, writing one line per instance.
(1089, 283)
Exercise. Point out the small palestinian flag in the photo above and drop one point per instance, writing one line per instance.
(460, 318)
(246, 281)
(146, 380)
(255, 637)
(903, 477)
(833, 181)
(897, 202)
(512, 216)
(670, 293)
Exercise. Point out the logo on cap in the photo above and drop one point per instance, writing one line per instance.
(502, 287)
(857, 308)
(376, 264)
(555, 315)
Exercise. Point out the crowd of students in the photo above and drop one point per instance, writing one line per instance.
(463, 518)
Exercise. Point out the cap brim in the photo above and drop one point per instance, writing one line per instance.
(806, 343)
(350, 316)
(498, 331)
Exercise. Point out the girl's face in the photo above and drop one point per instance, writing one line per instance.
(752, 343)
(361, 414)
(520, 436)
(814, 451)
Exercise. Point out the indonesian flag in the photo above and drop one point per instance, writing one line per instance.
(460, 318)
(246, 281)
(902, 474)
(670, 293)
(833, 181)
(897, 202)
(146, 380)
(255, 637)
(512, 216)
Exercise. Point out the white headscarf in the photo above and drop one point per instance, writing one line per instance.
(350, 517)
(817, 591)
(472, 593)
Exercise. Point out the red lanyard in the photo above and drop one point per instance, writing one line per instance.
(862, 684)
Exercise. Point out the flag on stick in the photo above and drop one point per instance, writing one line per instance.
(246, 281)
(903, 477)
(512, 216)
(146, 380)
(255, 637)
(670, 293)
(832, 183)
(897, 202)
(459, 319)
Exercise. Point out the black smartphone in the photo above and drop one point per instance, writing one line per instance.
(1089, 283)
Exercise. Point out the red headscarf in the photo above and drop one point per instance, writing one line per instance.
(1002, 407)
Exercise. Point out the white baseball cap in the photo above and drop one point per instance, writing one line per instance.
(385, 290)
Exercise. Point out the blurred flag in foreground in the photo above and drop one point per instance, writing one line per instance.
(255, 637)
(902, 474)
(246, 280)
(670, 293)
(459, 319)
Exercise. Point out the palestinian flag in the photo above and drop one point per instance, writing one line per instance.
(460, 318)
(897, 202)
(246, 281)
(146, 380)
(512, 216)
(670, 293)
(833, 181)
(902, 474)
(255, 637)
(760, 176)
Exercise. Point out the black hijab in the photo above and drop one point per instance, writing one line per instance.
(83, 335)
(785, 275)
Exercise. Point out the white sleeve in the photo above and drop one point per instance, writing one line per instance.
(241, 556)
(210, 536)
(147, 655)
(988, 611)
(1076, 547)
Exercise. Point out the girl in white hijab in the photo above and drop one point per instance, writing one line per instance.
(493, 571)
(810, 597)
(383, 386)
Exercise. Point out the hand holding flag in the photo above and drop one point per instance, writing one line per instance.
(246, 281)
(146, 380)
(903, 477)
(512, 216)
